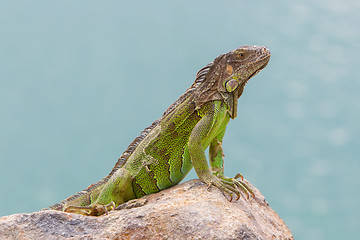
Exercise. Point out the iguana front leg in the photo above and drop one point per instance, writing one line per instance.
(216, 159)
(199, 133)
(212, 119)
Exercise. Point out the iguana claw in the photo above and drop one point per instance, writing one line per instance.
(239, 175)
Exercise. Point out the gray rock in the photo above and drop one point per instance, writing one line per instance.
(185, 211)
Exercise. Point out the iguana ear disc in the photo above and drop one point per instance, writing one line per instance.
(231, 85)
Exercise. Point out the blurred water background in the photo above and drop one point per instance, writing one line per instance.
(79, 80)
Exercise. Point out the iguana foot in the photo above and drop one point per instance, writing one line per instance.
(230, 186)
(95, 210)
(240, 184)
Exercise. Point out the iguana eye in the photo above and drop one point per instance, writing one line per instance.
(242, 55)
(231, 85)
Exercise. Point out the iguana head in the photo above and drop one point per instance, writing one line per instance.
(240, 65)
(225, 78)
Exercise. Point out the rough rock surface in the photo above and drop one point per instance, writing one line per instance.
(185, 211)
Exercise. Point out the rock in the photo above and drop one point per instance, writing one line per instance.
(185, 211)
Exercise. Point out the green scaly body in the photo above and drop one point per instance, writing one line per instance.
(167, 150)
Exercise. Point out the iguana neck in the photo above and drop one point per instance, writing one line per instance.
(208, 90)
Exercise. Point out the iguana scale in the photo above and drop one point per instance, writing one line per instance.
(166, 150)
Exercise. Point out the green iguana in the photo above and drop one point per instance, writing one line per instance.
(166, 150)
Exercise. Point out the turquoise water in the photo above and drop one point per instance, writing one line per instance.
(79, 80)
